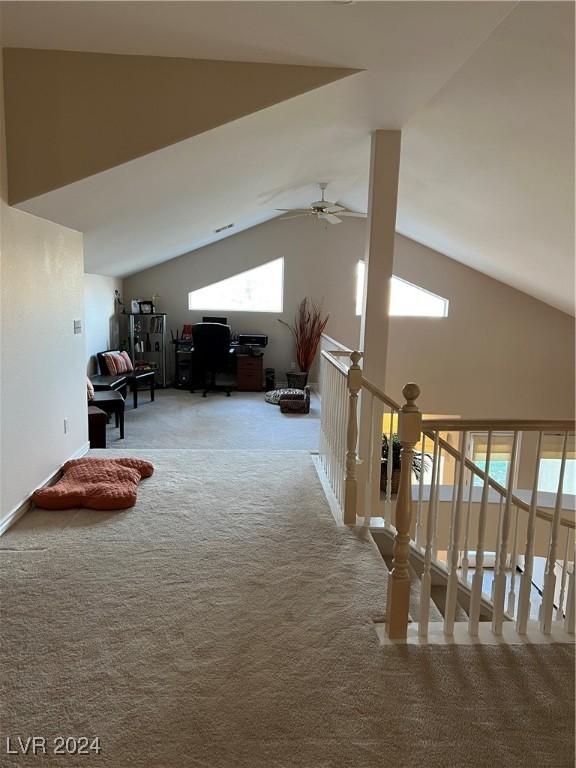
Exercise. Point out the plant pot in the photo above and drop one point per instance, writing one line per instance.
(384, 478)
(297, 380)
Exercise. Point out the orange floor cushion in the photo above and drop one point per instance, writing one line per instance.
(95, 484)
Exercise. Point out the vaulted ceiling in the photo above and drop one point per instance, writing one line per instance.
(483, 92)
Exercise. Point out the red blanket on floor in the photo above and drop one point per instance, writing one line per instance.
(96, 484)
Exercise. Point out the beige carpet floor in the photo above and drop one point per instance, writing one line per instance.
(226, 622)
(243, 421)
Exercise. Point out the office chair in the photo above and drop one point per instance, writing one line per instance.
(211, 353)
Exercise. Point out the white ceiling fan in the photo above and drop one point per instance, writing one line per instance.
(322, 209)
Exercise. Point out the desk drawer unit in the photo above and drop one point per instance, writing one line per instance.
(249, 372)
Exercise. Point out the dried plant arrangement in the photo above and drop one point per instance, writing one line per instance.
(307, 329)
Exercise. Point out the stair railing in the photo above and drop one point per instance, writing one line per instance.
(508, 512)
(340, 384)
(477, 504)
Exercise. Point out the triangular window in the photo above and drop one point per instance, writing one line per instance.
(257, 290)
(406, 299)
(412, 301)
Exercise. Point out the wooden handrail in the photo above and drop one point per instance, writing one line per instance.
(327, 355)
(341, 347)
(498, 425)
(377, 392)
(455, 453)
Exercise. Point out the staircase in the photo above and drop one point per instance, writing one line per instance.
(463, 548)
(384, 539)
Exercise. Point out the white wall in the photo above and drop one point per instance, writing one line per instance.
(499, 353)
(43, 362)
(100, 320)
(312, 252)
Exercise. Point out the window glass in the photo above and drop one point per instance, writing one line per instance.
(410, 300)
(551, 460)
(257, 290)
(406, 299)
(500, 456)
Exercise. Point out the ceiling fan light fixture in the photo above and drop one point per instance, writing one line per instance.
(322, 209)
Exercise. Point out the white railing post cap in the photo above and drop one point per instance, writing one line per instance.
(355, 357)
(409, 418)
(411, 392)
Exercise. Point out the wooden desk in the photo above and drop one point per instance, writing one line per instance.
(249, 368)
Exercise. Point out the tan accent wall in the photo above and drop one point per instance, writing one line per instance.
(70, 115)
(42, 378)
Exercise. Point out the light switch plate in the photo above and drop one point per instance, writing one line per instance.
(77, 326)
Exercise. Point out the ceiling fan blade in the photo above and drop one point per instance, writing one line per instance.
(334, 209)
(297, 216)
(331, 218)
(294, 210)
(353, 213)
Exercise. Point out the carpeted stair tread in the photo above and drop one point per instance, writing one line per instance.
(438, 595)
(415, 595)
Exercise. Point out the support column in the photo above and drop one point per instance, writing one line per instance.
(379, 258)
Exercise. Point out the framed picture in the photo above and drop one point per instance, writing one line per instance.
(146, 307)
(135, 306)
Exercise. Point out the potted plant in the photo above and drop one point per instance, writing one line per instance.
(417, 461)
(307, 329)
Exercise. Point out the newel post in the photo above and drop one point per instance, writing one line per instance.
(409, 426)
(351, 482)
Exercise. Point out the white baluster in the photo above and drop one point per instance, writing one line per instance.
(497, 545)
(369, 458)
(343, 426)
(329, 395)
(351, 488)
(550, 573)
(323, 412)
(376, 460)
(344, 434)
(331, 409)
(526, 580)
(324, 408)
(502, 550)
(389, 470)
(426, 581)
(335, 430)
(476, 593)
(333, 425)
(454, 551)
(511, 604)
(569, 621)
(339, 447)
(436, 503)
(418, 531)
(376, 437)
(465, 560)
(560, 609)
(336, 468)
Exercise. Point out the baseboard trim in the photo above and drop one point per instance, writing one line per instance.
(21, 509)
(485, 636)
(328, 492)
